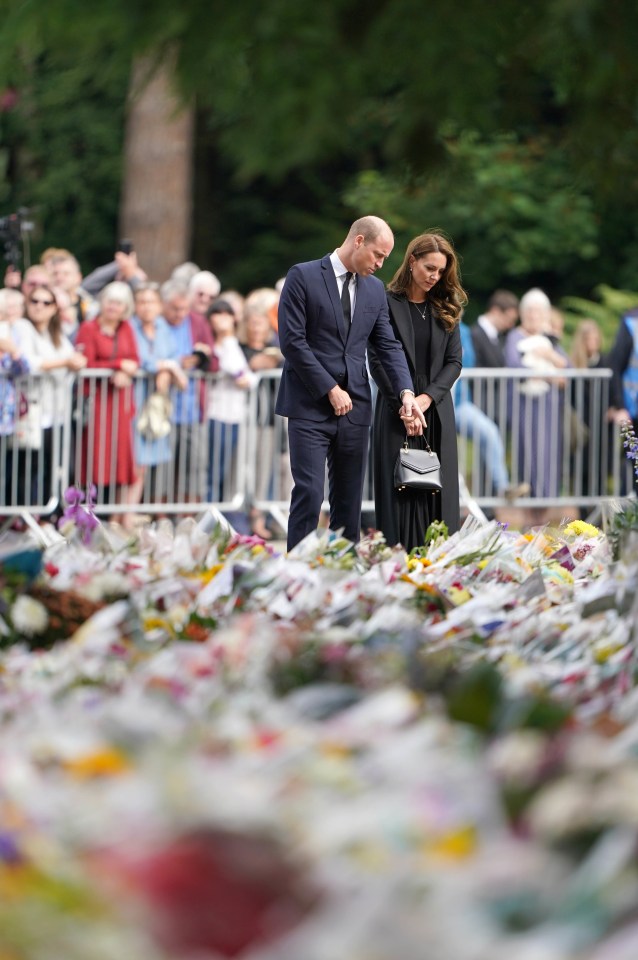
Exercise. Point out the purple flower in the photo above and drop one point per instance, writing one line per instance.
(9, 850)
(630, 443)
(79, 513)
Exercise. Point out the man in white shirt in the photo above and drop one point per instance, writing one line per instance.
(491, 327)
(328, 311)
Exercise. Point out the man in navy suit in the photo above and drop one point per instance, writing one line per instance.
(325, 392)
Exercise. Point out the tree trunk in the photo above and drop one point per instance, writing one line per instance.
(156, 205)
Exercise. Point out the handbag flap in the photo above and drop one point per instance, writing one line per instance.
(420, 461)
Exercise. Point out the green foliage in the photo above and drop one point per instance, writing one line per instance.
(621, 526)
(509, 206)
(606, 310)
(436, 533)
(478, 697)
(521, 148)
(67, 138)
(278, 75)
(4, 186)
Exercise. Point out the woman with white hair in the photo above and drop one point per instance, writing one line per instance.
(203, 288)
(108, 342)
(538, 401)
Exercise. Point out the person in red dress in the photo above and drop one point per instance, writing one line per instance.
(108, 342)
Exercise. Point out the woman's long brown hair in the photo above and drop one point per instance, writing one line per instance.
(55, 323)
(447, 296)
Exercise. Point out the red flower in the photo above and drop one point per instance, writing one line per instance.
(221, 891)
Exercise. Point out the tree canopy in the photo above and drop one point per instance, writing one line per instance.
(512, 125)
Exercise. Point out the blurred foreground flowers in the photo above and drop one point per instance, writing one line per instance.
(346, 752)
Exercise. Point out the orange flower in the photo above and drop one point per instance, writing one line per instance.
(108, 762)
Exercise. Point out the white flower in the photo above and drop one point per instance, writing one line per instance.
(177, 616)
(29, 616)
(106, 585)
(518, 756)
(562, 808)
(67, 528)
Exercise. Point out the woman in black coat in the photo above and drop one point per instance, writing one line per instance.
(426, 300)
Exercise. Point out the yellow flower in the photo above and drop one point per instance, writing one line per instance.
(103, 763)
(18, 881)
(457, 596)
(335, 749)
(156, 623)
(604, 649)
(580, 528)
(456, 845)
(207, 575)
(512, 661)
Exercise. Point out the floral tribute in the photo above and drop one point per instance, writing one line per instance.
(79, 514)
(343, 752)
(630, 443)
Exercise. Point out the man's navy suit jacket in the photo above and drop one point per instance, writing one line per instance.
(317, 355)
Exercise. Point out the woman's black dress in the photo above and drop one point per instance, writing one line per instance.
(434, 358)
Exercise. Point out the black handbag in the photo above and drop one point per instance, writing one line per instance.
(417, 469)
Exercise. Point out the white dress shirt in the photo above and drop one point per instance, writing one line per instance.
(340, 274)
(486, 324)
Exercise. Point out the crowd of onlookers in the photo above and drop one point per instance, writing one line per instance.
(155, 415)
(156, 411)
(553, 419)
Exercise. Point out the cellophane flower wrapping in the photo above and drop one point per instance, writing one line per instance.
(343, 752)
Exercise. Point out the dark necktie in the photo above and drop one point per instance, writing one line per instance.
(345, 304)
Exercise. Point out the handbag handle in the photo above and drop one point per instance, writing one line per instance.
(406, 445)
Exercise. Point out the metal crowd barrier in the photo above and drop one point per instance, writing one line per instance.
(553, 434)
(34, 419)
(197, 463)
(557, 426)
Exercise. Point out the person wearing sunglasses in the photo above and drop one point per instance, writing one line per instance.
(52, 359)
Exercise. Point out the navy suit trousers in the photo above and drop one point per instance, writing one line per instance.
(344, 447)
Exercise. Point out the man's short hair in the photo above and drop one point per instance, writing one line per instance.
(52, 252)
(503, 300)
(368, 227)
(173, 288)
(147, 286)
(63, 257)
(185, 271)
